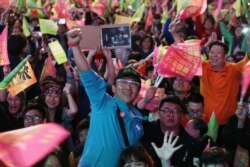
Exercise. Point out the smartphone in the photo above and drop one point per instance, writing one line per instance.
(61, 21)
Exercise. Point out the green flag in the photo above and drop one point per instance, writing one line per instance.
(25, 27)
(48, 26)
(20, 5)
(33, 4)
(139, 13)
(108, 9)
(245, 7)
(5, 82)
(213, 127)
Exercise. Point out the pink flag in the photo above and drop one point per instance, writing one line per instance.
(245, 80)
(193, 47)
(25, 147)
(176, 63)
(4, 59)
(219, 6)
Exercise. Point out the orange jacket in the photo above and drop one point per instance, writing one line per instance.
(220, 89)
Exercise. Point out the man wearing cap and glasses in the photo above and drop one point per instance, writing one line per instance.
(114, 123)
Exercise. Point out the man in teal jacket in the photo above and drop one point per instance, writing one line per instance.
(105, 140)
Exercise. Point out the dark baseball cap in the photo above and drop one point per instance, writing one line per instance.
(128, 72)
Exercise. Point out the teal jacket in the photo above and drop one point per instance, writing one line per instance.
(104, 141)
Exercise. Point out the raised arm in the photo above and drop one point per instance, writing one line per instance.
(73, 109)
(110, 69)
(74, 37)
(167, 149)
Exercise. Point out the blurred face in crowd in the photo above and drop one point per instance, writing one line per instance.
(52, 161)
(53, 97)
(126, 89)
(135, 163)
(195, 110)
(230, 59)
(208, 27)
(217, 56)
(82, 135)
(14, 103)
(181, 85)
(33, 117)
(238, 31)
(170, 115)
(189, 127)
(146, 43)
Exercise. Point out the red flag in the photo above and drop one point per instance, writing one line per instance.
(4, 59)
(149, 20)
(61, 8)
(4, 3)
(245, 79)
(25, 147)
(194, 8)
(48, 69)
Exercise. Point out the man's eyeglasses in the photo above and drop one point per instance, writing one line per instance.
(195, 112)
(32, 118)
(168, 111)
(124, 82)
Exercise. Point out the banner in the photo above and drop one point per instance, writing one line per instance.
(24, 78)
(25, 147)
(48, 26)
(58, 52)
(4, 59)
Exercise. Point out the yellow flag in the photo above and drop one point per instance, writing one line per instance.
(58, 52)
(23, 79)
(123, 19)
(237, 7)
(48, 26)
(25, 27)
(139, 13)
